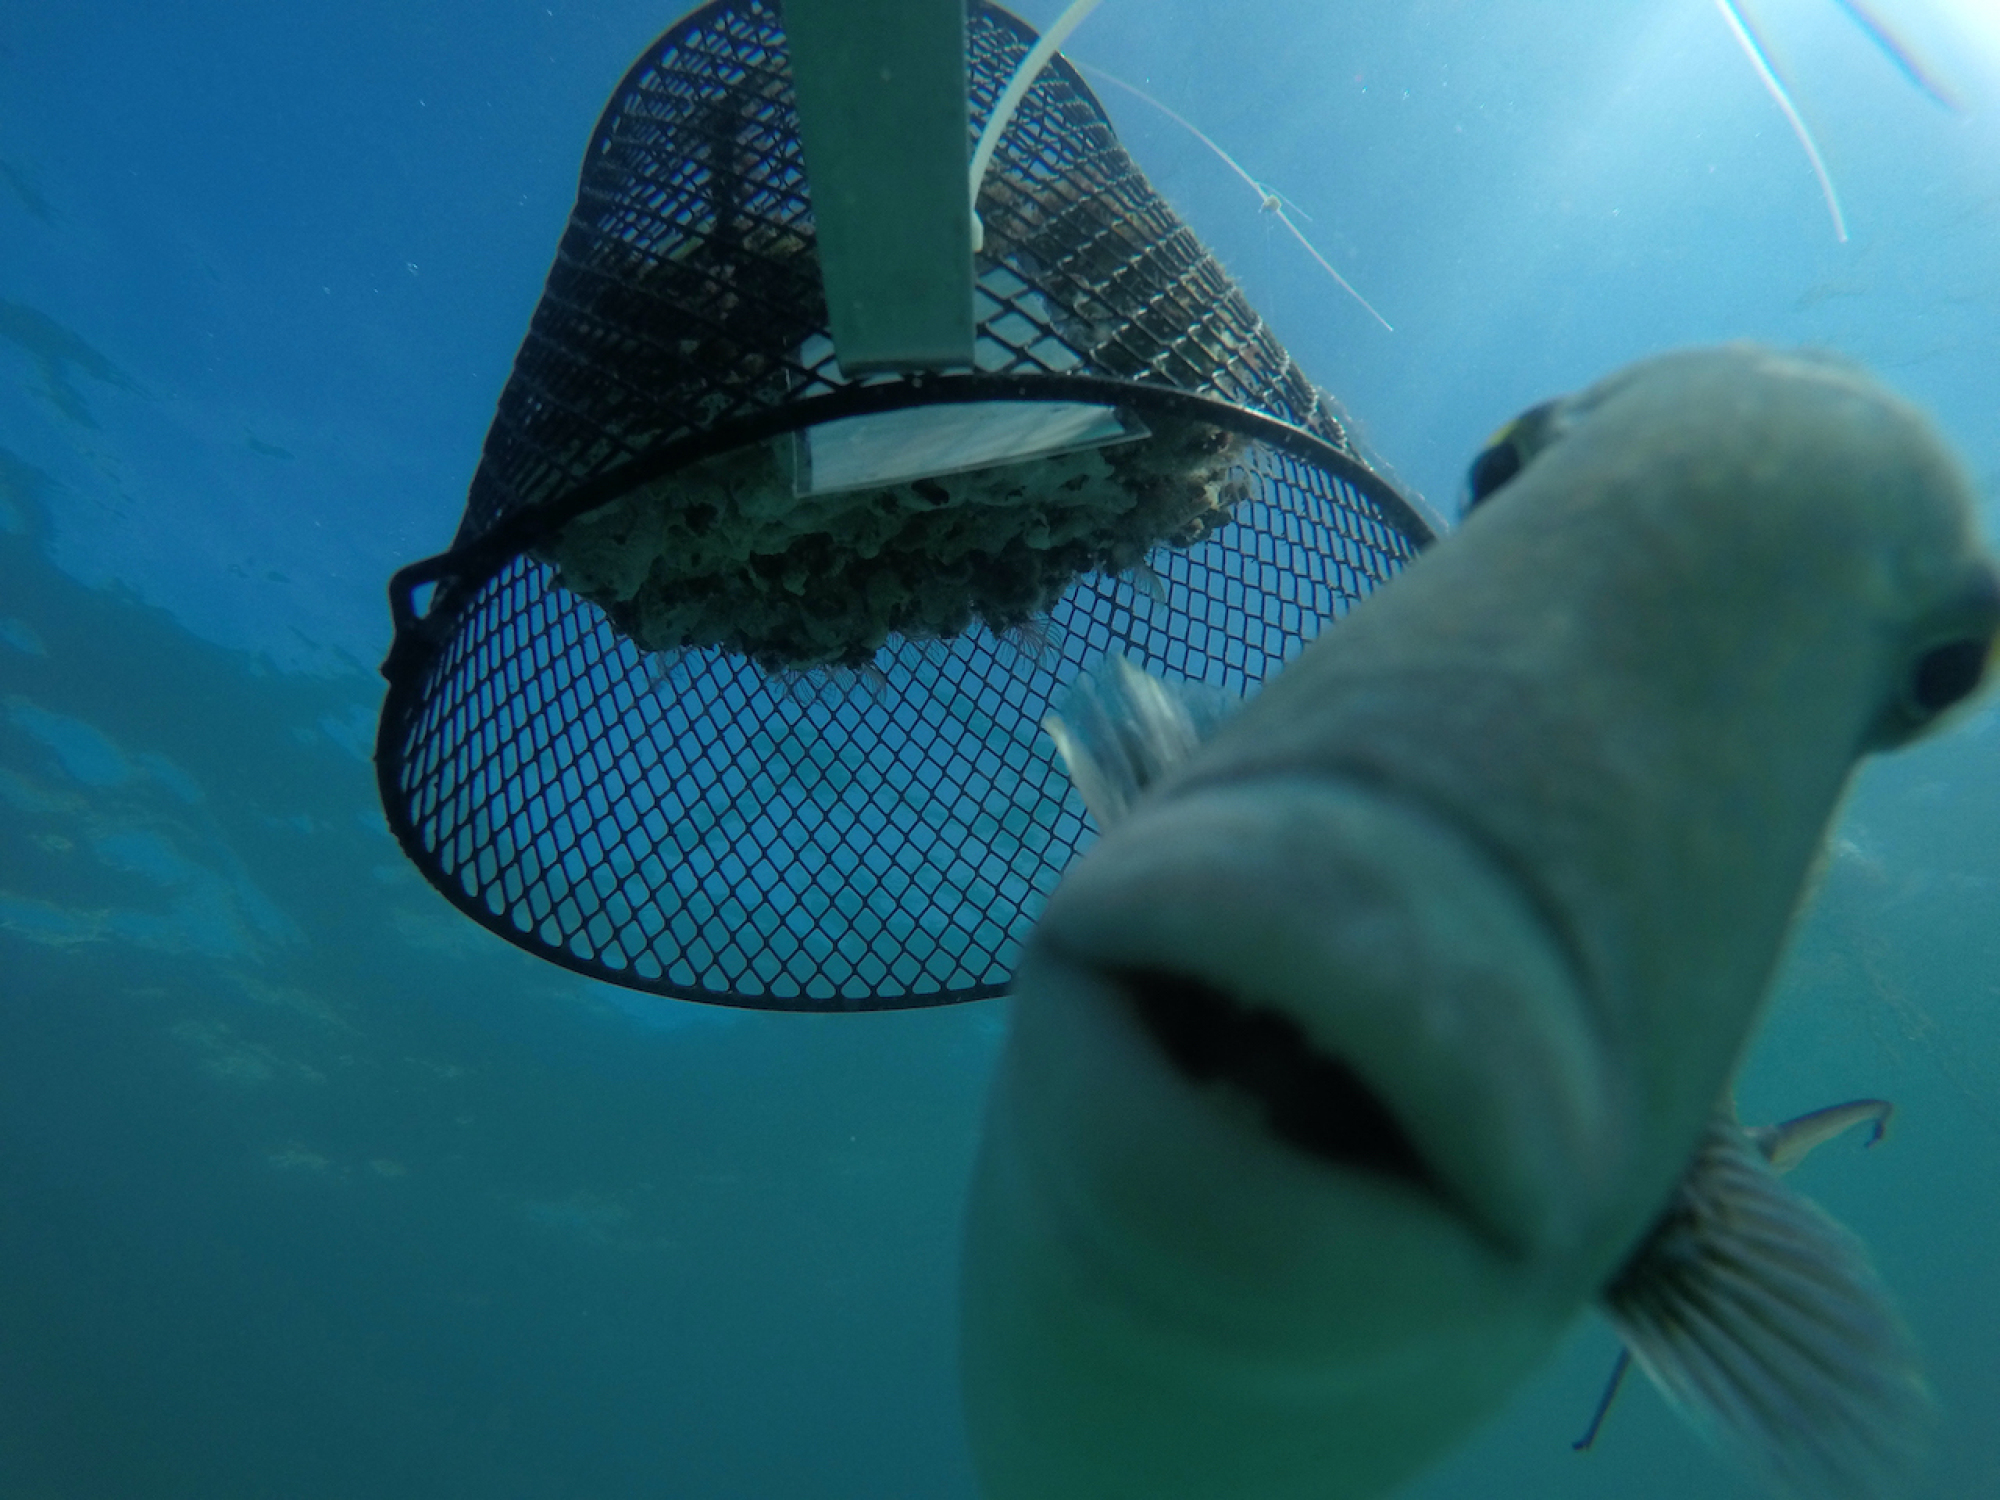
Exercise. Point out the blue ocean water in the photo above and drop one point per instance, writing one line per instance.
(310, 1188)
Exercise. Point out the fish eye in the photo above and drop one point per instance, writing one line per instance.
(1947, 674)
(1493, 468)
(1510, 449)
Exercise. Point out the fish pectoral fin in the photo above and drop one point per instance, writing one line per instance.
(1121, 729)
(1763, 1321)
(1788, 1143)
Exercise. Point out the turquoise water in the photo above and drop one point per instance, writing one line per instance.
(308, 1187)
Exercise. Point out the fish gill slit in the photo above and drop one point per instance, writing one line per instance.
(1311, 1100)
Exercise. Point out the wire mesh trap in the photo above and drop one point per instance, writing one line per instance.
(730, 685)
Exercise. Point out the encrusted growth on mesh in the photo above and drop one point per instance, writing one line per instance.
(730, 557)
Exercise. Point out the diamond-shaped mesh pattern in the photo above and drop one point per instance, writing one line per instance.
(683, 822)
(685, 295)
(690, 825)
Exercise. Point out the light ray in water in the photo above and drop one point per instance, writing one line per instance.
(1904, 59)
(1273, 202)
(1753, 49)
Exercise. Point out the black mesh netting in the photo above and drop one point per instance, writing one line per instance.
(744, 813)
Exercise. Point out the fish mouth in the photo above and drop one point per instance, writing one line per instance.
(1309, 1099)
(1363, 982)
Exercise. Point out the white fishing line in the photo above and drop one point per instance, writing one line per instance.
(1269, 199)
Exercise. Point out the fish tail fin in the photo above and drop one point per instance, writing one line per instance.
(1121, 729)
(1763, 1321)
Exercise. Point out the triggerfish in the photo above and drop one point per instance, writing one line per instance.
(1392, 1021)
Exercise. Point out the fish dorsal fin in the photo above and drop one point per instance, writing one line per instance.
(1763, 1321)
(1789, 1142)
(1121, 729)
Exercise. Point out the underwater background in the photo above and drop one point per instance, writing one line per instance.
(311, 1188)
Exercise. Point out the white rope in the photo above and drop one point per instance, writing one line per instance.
(1009, 101)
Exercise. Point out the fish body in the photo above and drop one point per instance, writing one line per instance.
(1378, 1034)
